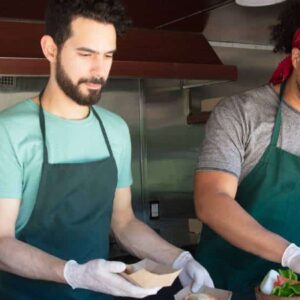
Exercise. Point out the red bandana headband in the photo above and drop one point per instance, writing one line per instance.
(285, 68)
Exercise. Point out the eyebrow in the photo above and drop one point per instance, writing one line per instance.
(93, 51)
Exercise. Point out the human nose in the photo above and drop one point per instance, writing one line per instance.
(99, 67)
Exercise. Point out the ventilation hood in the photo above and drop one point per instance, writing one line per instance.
(142, 53)
(257, 3)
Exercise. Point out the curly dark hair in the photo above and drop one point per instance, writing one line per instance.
(60, 14)
(288, 22)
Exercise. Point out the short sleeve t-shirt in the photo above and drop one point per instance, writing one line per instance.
(68, 141)
(240, 128)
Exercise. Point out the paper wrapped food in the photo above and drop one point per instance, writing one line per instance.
(200, 296)
(205, 293)
(281, 285)
(149, 274)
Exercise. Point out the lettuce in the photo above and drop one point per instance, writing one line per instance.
(287, 273)
(289, 288)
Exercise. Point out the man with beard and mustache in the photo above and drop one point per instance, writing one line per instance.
(65, 173)
(247, 188)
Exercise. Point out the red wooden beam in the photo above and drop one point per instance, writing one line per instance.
(144, 69)
(137, 69)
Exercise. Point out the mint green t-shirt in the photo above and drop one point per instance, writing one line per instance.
(68, 141)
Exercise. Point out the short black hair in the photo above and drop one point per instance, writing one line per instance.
(60, 14)
(288, 22)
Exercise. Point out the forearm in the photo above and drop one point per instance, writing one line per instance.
(143, 242)
(224, 215)
(24, 260)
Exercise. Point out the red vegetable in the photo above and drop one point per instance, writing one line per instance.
(282, 280)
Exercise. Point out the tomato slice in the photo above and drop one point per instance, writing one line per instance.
(282, 280)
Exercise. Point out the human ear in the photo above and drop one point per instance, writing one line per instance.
(49, 48)
(296, 57)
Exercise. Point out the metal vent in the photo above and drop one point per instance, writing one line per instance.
(7, 81)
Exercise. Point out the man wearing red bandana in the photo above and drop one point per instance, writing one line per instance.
(286, 67)
(247, 184)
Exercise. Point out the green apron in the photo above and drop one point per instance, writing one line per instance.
(71, 220)
(269, 193)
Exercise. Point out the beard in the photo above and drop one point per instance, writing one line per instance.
(72, 90)
(298, 86)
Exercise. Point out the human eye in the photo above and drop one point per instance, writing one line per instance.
(84, 54)
(109, 55)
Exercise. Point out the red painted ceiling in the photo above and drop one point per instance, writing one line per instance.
(188, 15)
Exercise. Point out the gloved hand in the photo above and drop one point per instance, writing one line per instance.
(291, 258)
(192, 272)
(102, 276)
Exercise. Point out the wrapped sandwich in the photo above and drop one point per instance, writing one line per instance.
(205, 293)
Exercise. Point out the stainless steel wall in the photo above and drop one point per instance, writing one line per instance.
(123, 97)
(241, 36)
(241, 24)
(171, 153)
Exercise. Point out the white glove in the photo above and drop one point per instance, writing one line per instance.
(102, 276)
(291, 258)
(192, 272)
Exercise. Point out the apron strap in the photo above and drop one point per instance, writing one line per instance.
(103, 131)
(43, 127)
(277, 124)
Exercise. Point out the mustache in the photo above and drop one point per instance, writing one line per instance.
(94, 80)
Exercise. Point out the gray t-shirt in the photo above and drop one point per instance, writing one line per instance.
(240, 128)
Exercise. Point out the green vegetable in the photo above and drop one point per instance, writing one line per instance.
(296, 289)
(283, 291)
(287, 273)
(289, 288)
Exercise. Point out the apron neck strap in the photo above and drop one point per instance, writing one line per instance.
(42, 125)
(277, 124)
(103, 131)
(43, 128)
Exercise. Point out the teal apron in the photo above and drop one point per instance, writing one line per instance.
(71, 220)
(269, 193)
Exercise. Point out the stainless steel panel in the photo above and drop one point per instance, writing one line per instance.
(23, 88)
(234, 23)
(171, 145)
(255, 68)
(122, 96)
(171, 153)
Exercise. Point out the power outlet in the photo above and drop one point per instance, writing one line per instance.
(154, 210)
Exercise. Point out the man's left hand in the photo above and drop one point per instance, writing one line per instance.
(192, 272)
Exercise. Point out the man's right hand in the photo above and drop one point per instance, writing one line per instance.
(291, 258)
(103, 276)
